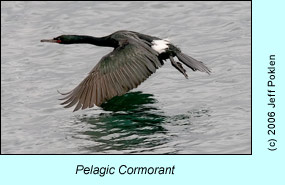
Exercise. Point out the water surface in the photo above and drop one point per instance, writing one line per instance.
(167, 114)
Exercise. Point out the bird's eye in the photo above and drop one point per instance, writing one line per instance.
(57, 39)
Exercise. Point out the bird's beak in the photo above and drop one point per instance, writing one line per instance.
(49, 40)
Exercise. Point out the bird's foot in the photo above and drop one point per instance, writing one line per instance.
(178, 66)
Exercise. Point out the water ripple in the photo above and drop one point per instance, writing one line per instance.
(166, 114)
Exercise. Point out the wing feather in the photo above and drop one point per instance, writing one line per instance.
(118, 87)
(87, 98)
(138, 68)
(93, 95)
(105, 89)
(112, 91)
(123, 79)
(99, 90)
(78, 106)
(116, 73)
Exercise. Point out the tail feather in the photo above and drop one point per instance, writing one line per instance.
(192, 63)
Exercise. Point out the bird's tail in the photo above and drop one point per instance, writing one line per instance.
(192, 63)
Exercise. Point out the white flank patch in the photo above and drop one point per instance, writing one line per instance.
(160, 45)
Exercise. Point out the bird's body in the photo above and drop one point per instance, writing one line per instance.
(135, 57)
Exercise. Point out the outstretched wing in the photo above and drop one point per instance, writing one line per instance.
(118, 72)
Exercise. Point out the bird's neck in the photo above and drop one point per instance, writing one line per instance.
(98, 41)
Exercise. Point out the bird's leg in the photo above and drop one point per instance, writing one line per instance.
(178, 66)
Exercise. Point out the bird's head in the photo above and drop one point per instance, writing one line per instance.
(63, 39)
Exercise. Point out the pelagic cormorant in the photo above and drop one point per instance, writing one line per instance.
(134, 58)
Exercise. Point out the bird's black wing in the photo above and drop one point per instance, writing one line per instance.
(116, 73)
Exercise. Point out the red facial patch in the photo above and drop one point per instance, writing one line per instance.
(58, 41)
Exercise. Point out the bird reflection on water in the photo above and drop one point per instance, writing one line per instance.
(131, 124)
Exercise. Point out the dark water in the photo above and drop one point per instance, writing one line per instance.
(165, 114)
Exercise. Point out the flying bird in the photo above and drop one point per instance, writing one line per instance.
(135, 57)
